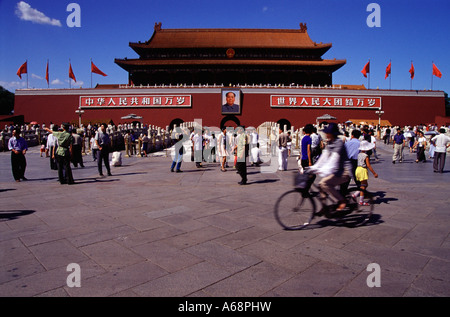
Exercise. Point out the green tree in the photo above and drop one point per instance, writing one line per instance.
(6, 101)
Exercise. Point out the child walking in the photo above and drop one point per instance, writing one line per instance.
(361, 173)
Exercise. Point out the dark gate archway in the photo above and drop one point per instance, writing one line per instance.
(229, 121)
(176, 122)
(284, 122)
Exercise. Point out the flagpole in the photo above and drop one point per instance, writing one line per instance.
(432, 63)
(91, 72)
(410, 85)
(368, 78)
(48, 74)
(27, 72)
(390, 74)
(70, 84)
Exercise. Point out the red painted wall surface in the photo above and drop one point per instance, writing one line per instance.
(400, 107)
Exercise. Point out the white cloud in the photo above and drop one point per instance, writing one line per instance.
(265, 9)
(25, 12)
(78, 83)
(36, 76)
(13, 85)
(56, 82)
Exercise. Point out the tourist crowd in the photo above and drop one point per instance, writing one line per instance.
(65, 144)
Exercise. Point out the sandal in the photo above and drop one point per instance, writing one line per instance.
(364, 203)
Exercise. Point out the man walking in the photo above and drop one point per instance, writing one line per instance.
(103, 142)
(241, 164)
(352, 148)
(18, 147)
(399, 143)
(442, 142)
(282, 151)
(63, 154)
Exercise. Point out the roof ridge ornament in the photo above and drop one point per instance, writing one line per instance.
(303, 27)
(158, 26)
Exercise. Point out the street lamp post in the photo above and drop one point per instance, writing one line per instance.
(80, 113)
(379, 113)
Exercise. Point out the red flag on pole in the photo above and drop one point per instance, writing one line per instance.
(71, 74)
(94, 69)
(411, 71)
(22, 70)
(46, 74)
(366, 69)
(436, 71)
(388, 71)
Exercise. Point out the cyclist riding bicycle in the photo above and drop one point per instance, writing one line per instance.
(333, 166)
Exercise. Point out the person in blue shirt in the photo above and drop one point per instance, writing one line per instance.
(399, 143)
(352, 147)
(18, 147)
(306, 146)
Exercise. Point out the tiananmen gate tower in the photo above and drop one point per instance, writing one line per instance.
(275, 75)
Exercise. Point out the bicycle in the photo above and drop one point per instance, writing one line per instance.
(296, 208)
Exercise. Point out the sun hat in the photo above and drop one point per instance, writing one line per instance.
(366, 146)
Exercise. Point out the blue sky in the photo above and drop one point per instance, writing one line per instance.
(37, 31)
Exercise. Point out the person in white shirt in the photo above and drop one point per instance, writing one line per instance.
(94, 147)
(52, 143)
(420, 144)
(254, 138)
(373, 140)
(213, 146)
(256, 155)
(442, 142)
(316, 145)
(222, 149)
(198, 148)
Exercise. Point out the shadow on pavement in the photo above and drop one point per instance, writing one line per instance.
(14, 214)
(380, 198)
(6, 189)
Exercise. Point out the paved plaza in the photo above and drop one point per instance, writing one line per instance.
(148, 232)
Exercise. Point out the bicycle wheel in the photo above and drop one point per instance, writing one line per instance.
(293, 211)
(360, 212)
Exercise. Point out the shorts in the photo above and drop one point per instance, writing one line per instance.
(362, 174)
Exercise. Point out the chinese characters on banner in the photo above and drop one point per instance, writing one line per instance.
(325, 101)
(136, 101)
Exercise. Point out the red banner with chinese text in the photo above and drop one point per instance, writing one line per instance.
(304, 101)
(136, 101)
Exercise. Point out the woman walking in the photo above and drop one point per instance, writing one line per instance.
(420, 144)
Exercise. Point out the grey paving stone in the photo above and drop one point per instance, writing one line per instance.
(322, 279)
(169, 258)
(222, 256)
(253, 281)
(184, 282)
(111, 255)
(117, 280)
(148, 232)
(56, 254)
